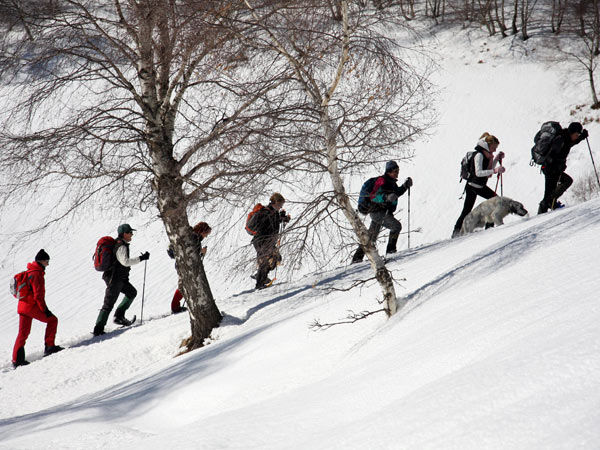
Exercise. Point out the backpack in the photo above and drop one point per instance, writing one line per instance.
(251, 221)
(364, 197)
(467, 166)
(104, 256)
(19, 285)
(543, 141)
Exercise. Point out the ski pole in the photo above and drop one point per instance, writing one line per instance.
(143, 292)
(408, 217)
(593, 163)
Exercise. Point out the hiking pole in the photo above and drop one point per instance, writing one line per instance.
(593, 163)
(408, 220)
(143, 292)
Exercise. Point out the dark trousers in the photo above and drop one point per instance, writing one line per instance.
(381, 219)
(267, 257)
(557, 182)
(25, 328)
(114, 286)
(471, 194)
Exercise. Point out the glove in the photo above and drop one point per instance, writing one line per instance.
(500, 170)
(48, 312)
(284, 216)
(144, 256)
(584, 134)
(408, 183)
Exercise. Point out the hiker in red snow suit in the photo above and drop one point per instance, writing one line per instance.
(201, 231)
(33, 306)
(117, 281)
(266, 222)
(384, 200)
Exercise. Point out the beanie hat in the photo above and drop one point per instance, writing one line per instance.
(391, 165)
(277, 198)
(42, 256)
(575, 127)
(125, 228)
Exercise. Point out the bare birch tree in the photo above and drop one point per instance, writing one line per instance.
(148, 104)
(359, 101)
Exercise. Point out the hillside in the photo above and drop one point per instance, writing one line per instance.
(498, 346)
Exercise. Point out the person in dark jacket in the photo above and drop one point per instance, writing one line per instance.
(557, 181)
(485, 166)
(266, 223)
(117, 281)
(201, 231)
(384, 200)
(33, 306)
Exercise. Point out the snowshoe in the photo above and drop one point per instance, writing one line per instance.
(123, 321)
(50, 349)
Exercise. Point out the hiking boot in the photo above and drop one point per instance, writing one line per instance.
(455, 233)
(122, 320)
(98, 330)
(543, 208)
(21, 361)
(50, 349)
(390, 250)
(179, 310)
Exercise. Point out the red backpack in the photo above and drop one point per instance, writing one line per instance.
(104, 256)
(19, 285)
(251, 224)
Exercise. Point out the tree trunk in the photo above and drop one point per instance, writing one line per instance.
(204, 314)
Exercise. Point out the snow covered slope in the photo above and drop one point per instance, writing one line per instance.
(498, 347)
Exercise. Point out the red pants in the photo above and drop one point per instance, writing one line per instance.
(175, 306)
(25, 328)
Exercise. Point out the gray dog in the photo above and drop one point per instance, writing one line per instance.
(493, 211)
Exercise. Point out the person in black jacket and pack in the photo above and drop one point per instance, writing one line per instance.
(557, 181)
(266, 223)
(485, 166)
(117, 281)
(384, 200)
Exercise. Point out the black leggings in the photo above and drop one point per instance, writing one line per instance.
(471, 194)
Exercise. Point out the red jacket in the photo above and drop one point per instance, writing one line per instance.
(35, 300)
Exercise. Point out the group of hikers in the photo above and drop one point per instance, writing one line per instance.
(266, 223)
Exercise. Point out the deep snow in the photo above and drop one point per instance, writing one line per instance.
(497, 347)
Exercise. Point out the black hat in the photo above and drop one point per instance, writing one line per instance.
(125, 228)
(575, 127)
(42, 256)
(391, 165)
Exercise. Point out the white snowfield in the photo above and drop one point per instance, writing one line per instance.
(498, 346)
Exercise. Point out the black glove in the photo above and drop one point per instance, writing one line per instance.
(284, 216)
(144, 256)
(48, 312)
(408, 183)
(584, 134)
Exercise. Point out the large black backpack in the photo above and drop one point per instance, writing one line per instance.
(543, 141)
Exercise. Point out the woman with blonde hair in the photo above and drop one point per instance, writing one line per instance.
(484, 167)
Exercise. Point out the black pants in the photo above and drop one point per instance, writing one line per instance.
(380, 219)
(114, 286)
(557, 182)
(471, 194)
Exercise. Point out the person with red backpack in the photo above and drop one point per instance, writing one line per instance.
(32, 305)
(201, 231)
(383, 202)
(116, 278)
(264, 225)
